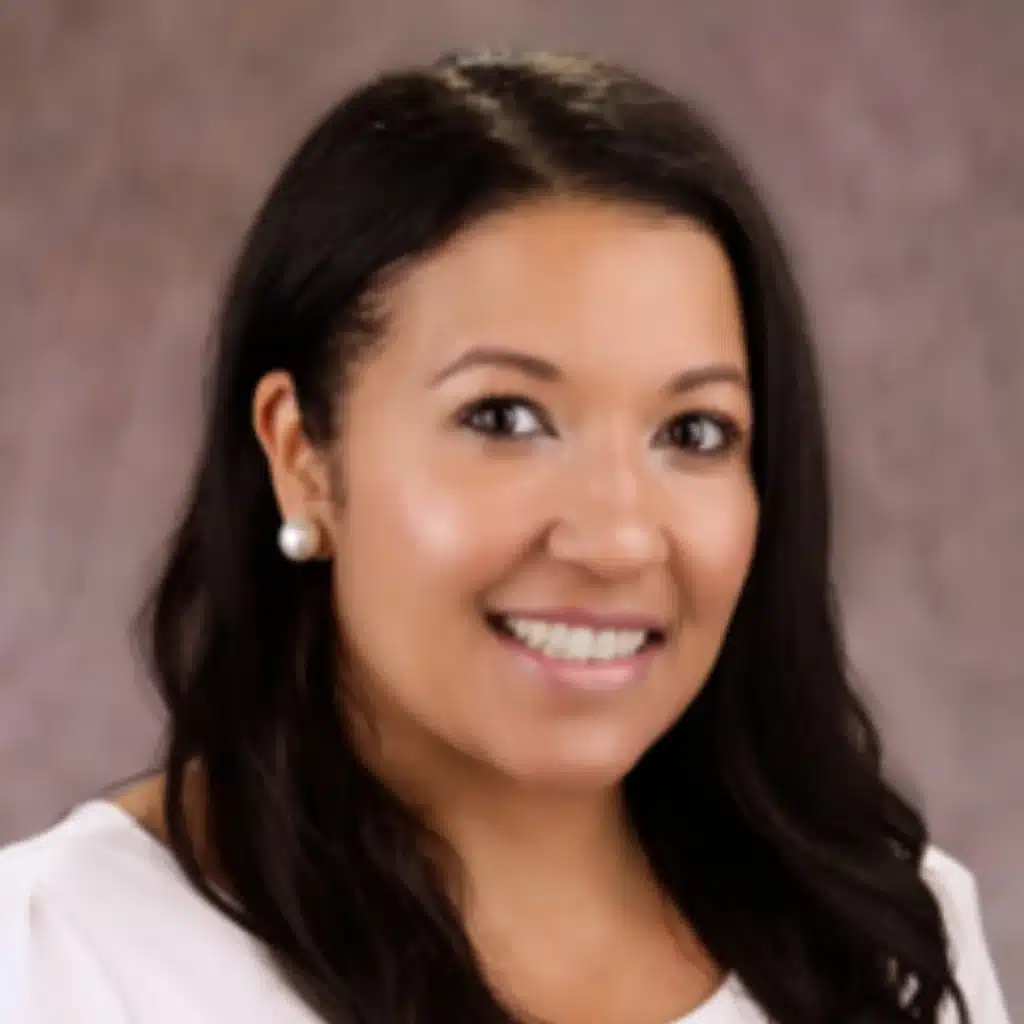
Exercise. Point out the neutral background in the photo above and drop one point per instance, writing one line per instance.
(137, 136)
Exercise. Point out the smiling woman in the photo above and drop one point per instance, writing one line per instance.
(588, 472)
(498, 641)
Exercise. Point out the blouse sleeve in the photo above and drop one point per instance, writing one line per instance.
(49, 974)
(957, 893)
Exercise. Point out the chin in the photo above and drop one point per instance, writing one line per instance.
(585, 768)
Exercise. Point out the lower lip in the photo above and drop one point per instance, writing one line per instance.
(583, 677)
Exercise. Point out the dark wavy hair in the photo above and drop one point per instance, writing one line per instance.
(763, 810)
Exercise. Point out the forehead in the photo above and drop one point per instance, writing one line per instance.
(573, 279)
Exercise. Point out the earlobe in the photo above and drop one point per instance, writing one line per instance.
(300, 540)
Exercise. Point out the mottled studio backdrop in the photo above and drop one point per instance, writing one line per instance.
(136, 137)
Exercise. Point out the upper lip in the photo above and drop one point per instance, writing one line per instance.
(592, 620)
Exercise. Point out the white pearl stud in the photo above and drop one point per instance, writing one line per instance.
(298, 539)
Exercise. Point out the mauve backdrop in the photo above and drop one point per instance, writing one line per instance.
(136, 138)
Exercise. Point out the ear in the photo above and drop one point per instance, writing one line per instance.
(299, 469)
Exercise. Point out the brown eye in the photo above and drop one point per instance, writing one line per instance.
(504, 417)
(702, 434)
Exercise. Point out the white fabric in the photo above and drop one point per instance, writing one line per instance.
(97, 924)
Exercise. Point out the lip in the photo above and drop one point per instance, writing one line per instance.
(581, 678)
(592, 620)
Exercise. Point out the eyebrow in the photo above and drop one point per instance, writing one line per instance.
(541, 369)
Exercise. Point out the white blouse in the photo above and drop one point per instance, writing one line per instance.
(98, 924)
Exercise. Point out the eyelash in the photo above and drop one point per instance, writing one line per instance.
(731, 433)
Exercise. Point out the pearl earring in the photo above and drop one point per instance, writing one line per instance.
(298, 539)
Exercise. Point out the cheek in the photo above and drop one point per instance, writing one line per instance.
(418, 543)
(716, 540)
(442, 526)
(418, 547)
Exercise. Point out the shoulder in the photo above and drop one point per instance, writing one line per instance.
(95, 856)
(952, 883)
(51, 868)
(41, 886)
(956, 891)
(80, 906)
(99, 923)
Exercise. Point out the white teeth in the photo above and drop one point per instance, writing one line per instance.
(605, 645)
(579, 643)
(558, 642)
(576, 643)
(628, 642)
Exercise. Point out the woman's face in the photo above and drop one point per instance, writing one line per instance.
(548, 508)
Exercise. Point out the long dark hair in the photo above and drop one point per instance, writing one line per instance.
(763, 810)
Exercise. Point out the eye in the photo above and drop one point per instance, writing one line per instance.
(702, 434)
(504, 417)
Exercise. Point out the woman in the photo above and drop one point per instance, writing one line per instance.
(497, 641)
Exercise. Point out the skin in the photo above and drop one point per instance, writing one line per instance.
(603, 492)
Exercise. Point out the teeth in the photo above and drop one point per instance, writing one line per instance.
(576, 643)
(605, 645)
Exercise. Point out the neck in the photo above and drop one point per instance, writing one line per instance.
(530, 855)
(537, 833)
(553, 885)
(527, 851)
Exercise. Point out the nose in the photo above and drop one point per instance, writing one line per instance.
(607, 522)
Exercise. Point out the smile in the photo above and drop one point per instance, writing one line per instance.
(575, 643)
(568, 657)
